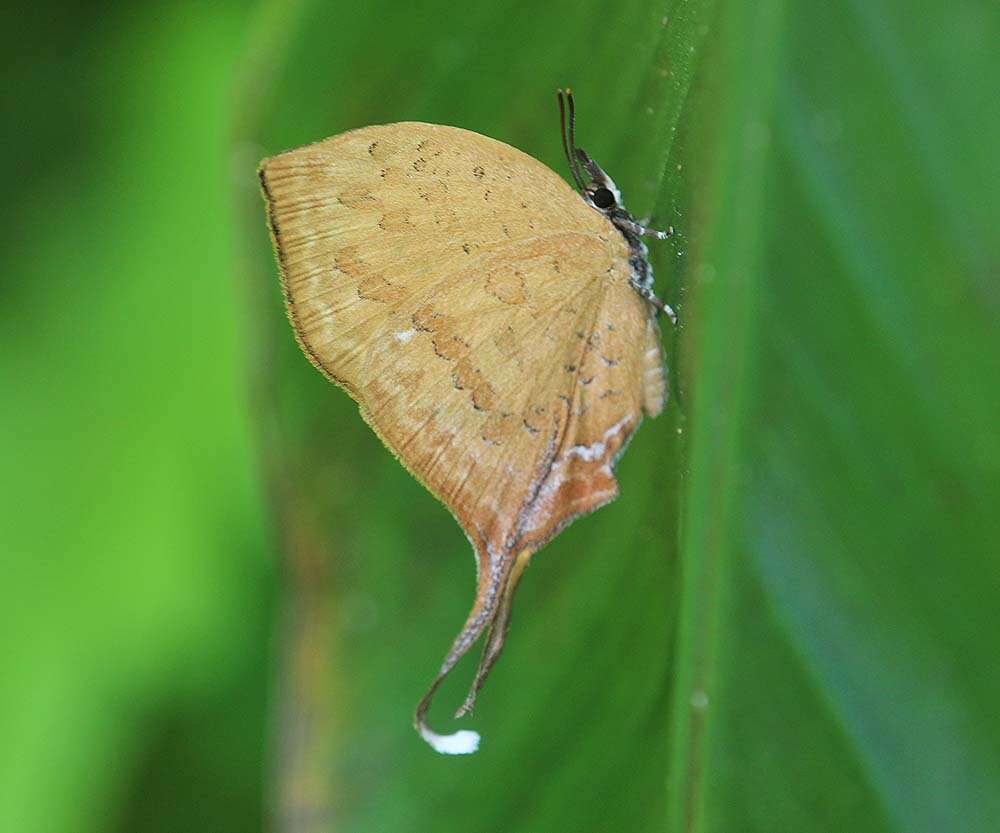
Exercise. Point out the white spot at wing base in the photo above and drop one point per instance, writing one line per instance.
(463, 742)
(404, 336)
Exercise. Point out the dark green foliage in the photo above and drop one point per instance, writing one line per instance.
(787, 621)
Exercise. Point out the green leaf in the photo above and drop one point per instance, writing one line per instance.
(564, 708)
(853, 676)
(786, 621)
(135, 573)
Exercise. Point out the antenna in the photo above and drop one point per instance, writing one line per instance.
(568, 135)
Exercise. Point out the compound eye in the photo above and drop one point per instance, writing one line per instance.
(603, 198)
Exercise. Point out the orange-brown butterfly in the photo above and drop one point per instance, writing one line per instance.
(496, 328)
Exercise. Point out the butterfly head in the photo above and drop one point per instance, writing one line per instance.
(595, 186)
(600, 193)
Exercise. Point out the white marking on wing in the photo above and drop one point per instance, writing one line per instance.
(596, 450)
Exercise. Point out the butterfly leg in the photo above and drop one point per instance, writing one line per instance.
(665, 308)
(642, 280)
(641, 230)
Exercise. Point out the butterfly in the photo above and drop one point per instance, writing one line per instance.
(497, 328)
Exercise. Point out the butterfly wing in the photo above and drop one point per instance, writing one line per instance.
(479, 312)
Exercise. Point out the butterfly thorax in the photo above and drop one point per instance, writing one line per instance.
(642, 270)
(604, 196)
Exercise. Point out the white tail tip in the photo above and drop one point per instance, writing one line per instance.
(463, 742)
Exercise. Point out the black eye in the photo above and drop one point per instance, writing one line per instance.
(603, 198)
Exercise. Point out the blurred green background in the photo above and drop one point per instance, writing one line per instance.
(221, 598)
